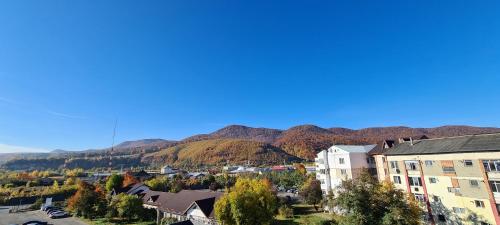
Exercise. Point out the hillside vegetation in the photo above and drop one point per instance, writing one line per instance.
(218, 152)
(233, 144)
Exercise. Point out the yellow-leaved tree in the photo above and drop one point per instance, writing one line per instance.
(249, 202)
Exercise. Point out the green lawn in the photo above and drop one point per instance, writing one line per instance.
(105, 221)
(304, 214)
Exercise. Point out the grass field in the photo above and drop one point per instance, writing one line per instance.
(305, 214)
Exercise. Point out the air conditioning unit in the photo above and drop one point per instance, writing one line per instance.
(398, 171)
(416, 189)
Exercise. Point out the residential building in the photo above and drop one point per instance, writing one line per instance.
(132, 189)
(457, 179)
(191, 206)
(168, 170)
(341, 162)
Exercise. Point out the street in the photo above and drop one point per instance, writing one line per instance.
(7, 218)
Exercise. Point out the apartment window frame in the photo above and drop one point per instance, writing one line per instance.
(411, 165)
(432, 180)
(491, 165)
(453, 190)
(458, 210)
(394, 164)
(343, 172)
(396, 179)
(436, 198)
(479, 204)
(415, 181)
(448, 169)
(419, 197)
(468, 163)
(495, 186)
(341, 161)
(428, 163)
(474, 183)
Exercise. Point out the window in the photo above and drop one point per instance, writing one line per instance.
(419, 197)
(432, 180)
(453, 190)
(491, 165)
(479, 204)
(458, 210)
(322, 171)
(495, 186)
(343, 171)
(397, 179)
(394, 165)
(415, 181)
(411, 165)
(341, 161)
(467, 162)
(441, 218)
(474, 183)
(436, 198)
(428, 162)
(448, 169)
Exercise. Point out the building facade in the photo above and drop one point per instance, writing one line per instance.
(456, 179)
(341, 162)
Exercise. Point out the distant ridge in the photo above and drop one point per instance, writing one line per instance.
(237, 143)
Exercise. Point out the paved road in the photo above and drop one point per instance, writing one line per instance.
(21, 217)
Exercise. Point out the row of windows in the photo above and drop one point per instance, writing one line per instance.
(369, 160)
(417, 181)
(492, 165)
(413, 165)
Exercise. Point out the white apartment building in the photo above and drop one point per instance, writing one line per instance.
(341, 162)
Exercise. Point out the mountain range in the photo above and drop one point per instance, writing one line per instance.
(237, 144)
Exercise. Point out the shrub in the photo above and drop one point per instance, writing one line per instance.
(285, 212)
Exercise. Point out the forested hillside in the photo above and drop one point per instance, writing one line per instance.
(232, 144)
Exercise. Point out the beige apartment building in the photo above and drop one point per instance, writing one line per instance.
(457, 179)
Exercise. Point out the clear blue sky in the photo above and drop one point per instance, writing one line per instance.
(170, 69)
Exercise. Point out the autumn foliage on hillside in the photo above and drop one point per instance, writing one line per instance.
(220, 151)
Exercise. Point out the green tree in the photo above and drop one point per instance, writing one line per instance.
(365, 201)
(249, 202)
(127, 206)
(158, 184)
(311, 192)
(114, 181)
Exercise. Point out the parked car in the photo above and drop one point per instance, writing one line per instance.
(35, 222)
(58, 214)
(45, 208)
(52, 210)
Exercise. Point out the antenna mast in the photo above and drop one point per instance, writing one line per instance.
(114, 133)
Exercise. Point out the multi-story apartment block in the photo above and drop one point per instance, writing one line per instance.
(342, 162)
(457, 179)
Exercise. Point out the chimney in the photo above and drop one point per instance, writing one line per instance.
(411, 141)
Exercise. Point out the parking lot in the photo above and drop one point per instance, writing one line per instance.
(21, 217)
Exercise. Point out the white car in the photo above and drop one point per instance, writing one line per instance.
(58, 214)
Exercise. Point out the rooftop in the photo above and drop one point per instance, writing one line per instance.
(355, 148)
(458, 144)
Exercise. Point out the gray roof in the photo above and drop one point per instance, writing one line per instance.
(459, 144)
